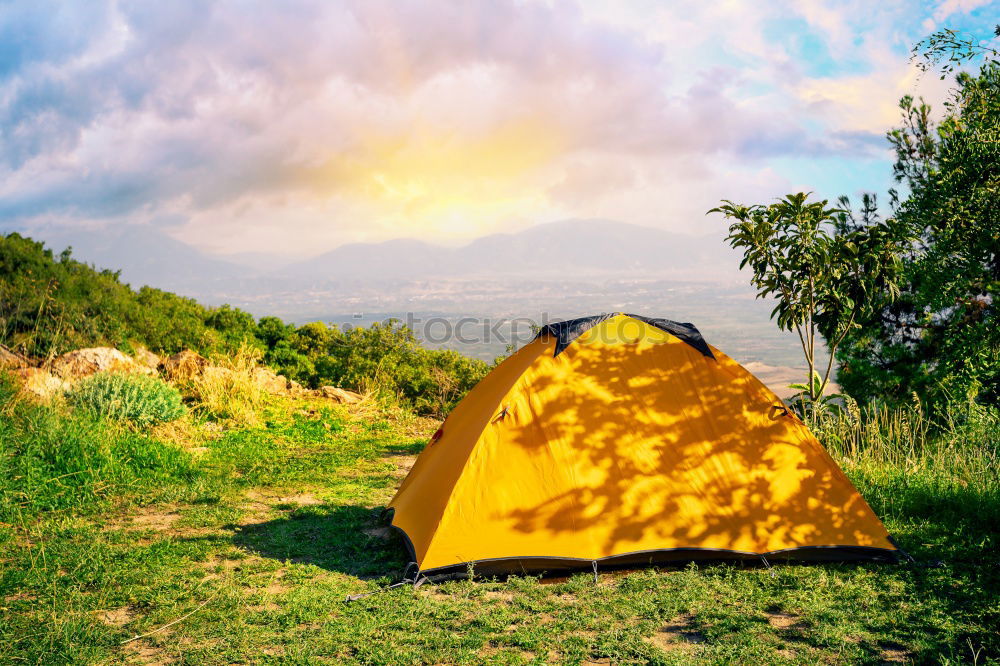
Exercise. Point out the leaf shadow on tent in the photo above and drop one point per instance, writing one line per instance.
(679, 447)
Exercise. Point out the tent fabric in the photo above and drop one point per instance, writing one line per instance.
(686, 332)
(630, 447)
(567, 331)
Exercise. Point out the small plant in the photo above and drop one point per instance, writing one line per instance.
(819, 266)
(813, 411)
(136, 399)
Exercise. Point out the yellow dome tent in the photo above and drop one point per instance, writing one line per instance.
(619, 440)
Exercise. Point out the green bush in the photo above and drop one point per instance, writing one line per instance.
(53, 459)
(385, 358)
(136, 399)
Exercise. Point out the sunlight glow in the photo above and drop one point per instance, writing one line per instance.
(448, 181)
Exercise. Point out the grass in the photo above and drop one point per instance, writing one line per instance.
(227, 391)
(237, 543)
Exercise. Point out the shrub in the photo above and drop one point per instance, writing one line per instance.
(388, 359)
(136, 399)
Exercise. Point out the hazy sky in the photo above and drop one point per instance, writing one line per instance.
(296, 126)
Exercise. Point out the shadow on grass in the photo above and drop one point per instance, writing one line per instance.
(410, 448)
(348, 539)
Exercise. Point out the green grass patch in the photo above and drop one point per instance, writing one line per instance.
(242, 548)
(52, 460)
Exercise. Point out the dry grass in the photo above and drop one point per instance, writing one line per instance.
(227, 390)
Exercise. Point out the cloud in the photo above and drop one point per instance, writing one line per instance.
(949, 8)
(311, 123)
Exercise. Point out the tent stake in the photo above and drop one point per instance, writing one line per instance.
(416, 581)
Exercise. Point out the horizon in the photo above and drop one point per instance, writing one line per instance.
(61, 238)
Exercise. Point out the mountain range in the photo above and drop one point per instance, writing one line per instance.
(569, 249)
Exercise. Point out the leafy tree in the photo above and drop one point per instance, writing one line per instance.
(940, 338)
(235, 326)
(819, 265)
(168, 323)
(291, 363)
(273, 331)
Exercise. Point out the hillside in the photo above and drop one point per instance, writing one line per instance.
(234, 532)
(53, 304)
(195, 510)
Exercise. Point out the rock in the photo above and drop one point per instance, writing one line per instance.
(340, 395)
(11, 359)
(147, 358)
(86, 362)
(269, 381)
(294, 388)
(218, 374)
(184, 365)
(40, 383)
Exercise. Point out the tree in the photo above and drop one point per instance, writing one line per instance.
(820, 265)
(940, 338)
(947, 49)
(236, 326)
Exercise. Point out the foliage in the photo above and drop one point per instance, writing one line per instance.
(813, 410)
(940, 338)
(947, 49)
(50, 305)
(138, 400)
(820, 267)
(236, 327)
(385, 358)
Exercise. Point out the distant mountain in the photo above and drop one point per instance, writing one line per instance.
(147, 256)
(391, 260)
(577, 249)
(571, 250)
